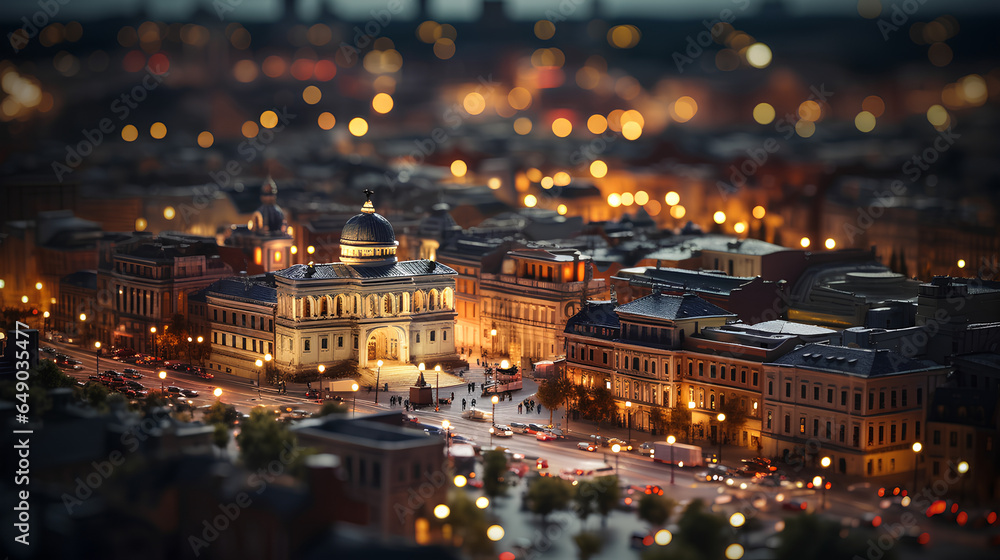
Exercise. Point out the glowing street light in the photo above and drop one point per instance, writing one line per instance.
(671, 440)
(691, 424)
(441, 511)
(460, 481)
(354, 400)
(493, 416)
(163, 377)
(218, 393)
(482, 502)
(917, 447)
(378, 375)
(737, 519)
(663, 537)
(615, 449)
(721, 418)
(628, 420)
(97, 352)
(495, 533)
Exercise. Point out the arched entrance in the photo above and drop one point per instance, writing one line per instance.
(386, 343)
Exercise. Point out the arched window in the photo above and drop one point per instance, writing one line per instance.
(433, 300)
(372, 306)
(447, 297)
(418, 301)
(711, 401)
(388, 304)
(324, 306)
(339, 306)
(306, 307)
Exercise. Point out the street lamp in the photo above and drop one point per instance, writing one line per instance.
(437, 382)
(97, 352)
(721, 418)
(218, 393)
(190, 340)
(492, 429)
(378, 375)
(671, 440)
(260, 364)
(447, 435)
(825, 462)
(917, 447)
(163, 376)
(628, 420)
(45, 322)
(615, 449)
(152, 333)
(354, 400)
(691, 422)
(493, 416)
(962, 468)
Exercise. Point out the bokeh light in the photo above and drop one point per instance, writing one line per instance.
(759, 212)
(864, 121)
(598, 169)
(597, 124)
(158, 130)
(677, 212)
(614, 200)
(759, 55)
(805, 242)
(268, 119)
(522, 126)
(561, 127)
(474, 103)
(249, 129)
(129, 133)
(326, 120)
(719, 217)
(459, 168)
(205, 139)
(530, 201)
(312, 95)
(763, 113)
(382, 103)
(358, 126)
(672, 198)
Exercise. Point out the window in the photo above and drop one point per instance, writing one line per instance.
(223, 339)
(968, 441)
(829, 431)
(902, 433)
(645, 366)
(871, 435)
(788, 390)
(605, 357)
(362, 472)
(340, 342)
(788, 423)
(881, 400)
(653, 367)
(572, 352)
(857, 436)
(244, 343)
(816, 393)
(953, 439)
(892, 433)
(701, 369)
(936, 468)
(324, 343)
(843, 398)
(711, 371)
(444, 336)
(223, 315)
(829, 396)
(892, 399)
(433, 334)
(215, 314)
(871, 401)
(635, 363)
(376, 474)
(270, 325)
(255, 345)
(768, 419)
(754, 378)
(253, 322)
(215, 337)
(816, 427)
(904, 397)
(857, 401)
(881, 435)
(802, 425)
(244, 319)
(770, 387)
(356, 340)
(743, 376)
(803, 391)
(305, 345)
(592, 354)
(843, 432)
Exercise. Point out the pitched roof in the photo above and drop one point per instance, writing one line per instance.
(329, 271)
(84, 279)
(662, 306)
(254, 288)
(861, 362)
(594, 314)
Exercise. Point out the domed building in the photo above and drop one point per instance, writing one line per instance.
(266, 237)
(367, 307)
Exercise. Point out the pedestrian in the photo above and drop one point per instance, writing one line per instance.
(452, 397)
(539, 408)
(463, 404)
(473, 403)
(477, 361)
(519, 408)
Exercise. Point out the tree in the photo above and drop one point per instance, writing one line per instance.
(221, 413)
(344, 369)
(469, 525)
(494, 469)
(331, 408)
(588, 544)
(547, 494)
(584, 499)
(262, 440)
(596, 403)
(96, 395)
(736, 415)
(48, 376)
(607, 495)
(221, 436)
(655, 509)
(811, 536)
(703, 530)
(553, 393)
(678, 422)
(658, 419)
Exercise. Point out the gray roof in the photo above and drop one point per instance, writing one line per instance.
(661, 306)
(861, 362)
(697, 280)
(86, 279)
(255, 289)
(789, 327)
(329, 271)
(596, 314)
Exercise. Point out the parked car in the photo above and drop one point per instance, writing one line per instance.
(519, 427)
(314, 394)
(645, 448)
(189, 393)
(625, 446)
(131, 373)
(174, 389)
(502, 430)
(587, 446)
(794, 505)
(544, 435)
(541, 463)
(535, 428)
(555, 433)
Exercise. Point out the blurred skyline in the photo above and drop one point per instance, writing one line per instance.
(465, 10)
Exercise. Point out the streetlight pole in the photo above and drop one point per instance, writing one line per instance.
(615, 449)
(354, 400)
(824, 462)
(190, 340)
(163, 376)
(628, 420)
(97, 352)
(45, 323)
(378, 376)
(493, 416)
(691, 422)
(721, 418)
(152, 335)
(962, 468)
(917, 447)
(260, 364)
(218, 393)
(437, 382)
(671, 440)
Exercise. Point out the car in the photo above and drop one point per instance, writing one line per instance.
(555, 433)
(200, 372)
(645, 448)
(519, 427)
(544, 435)
(541, 463)
(189, 393)
(314, 394)
(794, 505)
(178, 366)
(77, 367)
(131, 373)
(535, 428)
(74, 362)
(587, 446)
(502, 430)
(174, 389)
(624, 445)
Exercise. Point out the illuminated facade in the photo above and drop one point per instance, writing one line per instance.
(266, 239)
(240, 312)
(367, 307)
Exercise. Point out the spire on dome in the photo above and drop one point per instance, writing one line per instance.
(368, 207)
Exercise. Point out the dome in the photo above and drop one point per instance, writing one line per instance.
(270, 218)
(368, 239)
(368, 228)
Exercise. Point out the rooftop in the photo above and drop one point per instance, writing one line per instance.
(661, 306)
(332, 271)
(860, 362)
(258, 289)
